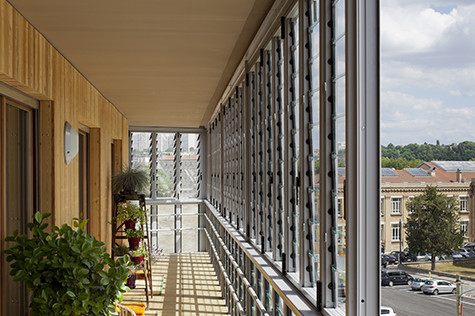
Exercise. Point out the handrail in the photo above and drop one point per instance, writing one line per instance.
(172, 201)
(225, 275)
(292, 298)
(235, 265)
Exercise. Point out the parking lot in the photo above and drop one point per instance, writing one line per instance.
(406, 302)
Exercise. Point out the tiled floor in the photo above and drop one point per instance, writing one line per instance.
(183, 284)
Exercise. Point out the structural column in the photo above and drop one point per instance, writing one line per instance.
(363, 157)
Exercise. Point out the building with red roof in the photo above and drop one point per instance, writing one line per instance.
(452, 178)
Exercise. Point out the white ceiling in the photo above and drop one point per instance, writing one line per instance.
(160, 62)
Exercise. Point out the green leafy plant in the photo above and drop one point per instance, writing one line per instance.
(130, 181)
(130, 233)
(121, 250)
(133, 269)
(127, 210)
(67, 270)
(138, 252)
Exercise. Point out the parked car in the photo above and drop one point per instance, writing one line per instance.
(388, 259)
(396, 255)
(422, 257)
(466, 253)
(456, 255)
(393, 277)
(385, 310)
(417, 283)
(438, 286)
(428, 256)
(411, 257)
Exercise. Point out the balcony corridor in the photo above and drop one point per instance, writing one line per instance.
(183, 284)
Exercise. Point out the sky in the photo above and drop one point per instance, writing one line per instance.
(427, 71)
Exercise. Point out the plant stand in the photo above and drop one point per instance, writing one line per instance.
(118, 232)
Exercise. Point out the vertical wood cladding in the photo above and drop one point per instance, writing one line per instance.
(30, 64)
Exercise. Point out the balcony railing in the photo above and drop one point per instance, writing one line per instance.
(249, 281)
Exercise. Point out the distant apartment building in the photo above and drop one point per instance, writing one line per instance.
(452, 178)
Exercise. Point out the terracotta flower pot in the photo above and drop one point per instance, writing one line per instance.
(136, 260)
(130, 224)
(134, 242)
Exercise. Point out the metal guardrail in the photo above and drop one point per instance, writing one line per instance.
(231, 254)
(261, 296)
(244, 280)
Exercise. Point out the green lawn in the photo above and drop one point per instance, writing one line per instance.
(467, 269)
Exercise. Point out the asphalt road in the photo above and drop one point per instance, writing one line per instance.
(414, 303)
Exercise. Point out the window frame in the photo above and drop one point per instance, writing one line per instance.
(32, 187)
(396, 201)
(395, 227)
(464, 223)
(463, 201)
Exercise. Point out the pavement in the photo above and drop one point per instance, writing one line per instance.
(406, 302)
(468, 283)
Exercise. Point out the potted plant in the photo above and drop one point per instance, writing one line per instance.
(137, 255)
(67, 271)
(132, 277)
(131, 181)
(134, 237)
(121, 250)
(129, 214)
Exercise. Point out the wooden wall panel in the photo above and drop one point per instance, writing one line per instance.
(47, 154)
(30, 64)
(95, 173)
(117, 166)
(6, 39)
(18, 48)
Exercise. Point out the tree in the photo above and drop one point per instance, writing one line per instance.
(463, 151)
(433, 226)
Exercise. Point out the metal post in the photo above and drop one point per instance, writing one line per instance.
(400, 241)
(459, 296)
(363, 158)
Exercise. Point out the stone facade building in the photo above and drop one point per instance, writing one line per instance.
(452, 178)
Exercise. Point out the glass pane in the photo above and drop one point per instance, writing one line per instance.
(315, 123)
(140, 152)
(189, 166)
(165, 180)
(190, 237)
(339, 51)
(18, 195)
(253, 149)
(268, 152)
(294, 145)
(166, 241)
(260, 153)
(162, 219)
(280, 149)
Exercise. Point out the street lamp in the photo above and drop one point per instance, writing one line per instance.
(400, 241)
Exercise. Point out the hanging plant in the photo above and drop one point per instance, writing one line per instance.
(130, 181)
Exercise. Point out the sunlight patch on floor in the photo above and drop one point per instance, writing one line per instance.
(183, 285)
